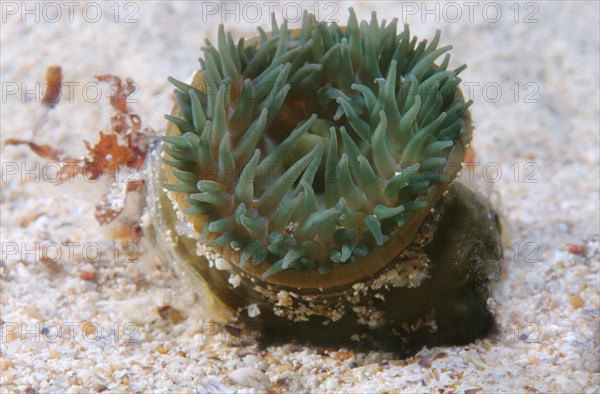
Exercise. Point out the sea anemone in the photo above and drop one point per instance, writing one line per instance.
(310, 160)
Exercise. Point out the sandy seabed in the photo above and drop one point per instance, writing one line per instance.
(533, 71)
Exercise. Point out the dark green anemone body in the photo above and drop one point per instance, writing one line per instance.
(306, 148)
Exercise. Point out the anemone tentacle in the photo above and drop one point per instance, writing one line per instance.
(314, 140)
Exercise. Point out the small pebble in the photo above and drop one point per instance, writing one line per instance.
(167, 312)
(576, 301)
(88, 328)
(253, 310)
(249, 377)
(576, 249)
(162, 349)
(425, 362)
(87, 275)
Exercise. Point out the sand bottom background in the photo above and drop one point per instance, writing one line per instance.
(533, 71)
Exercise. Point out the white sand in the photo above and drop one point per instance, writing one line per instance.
(553, 61)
